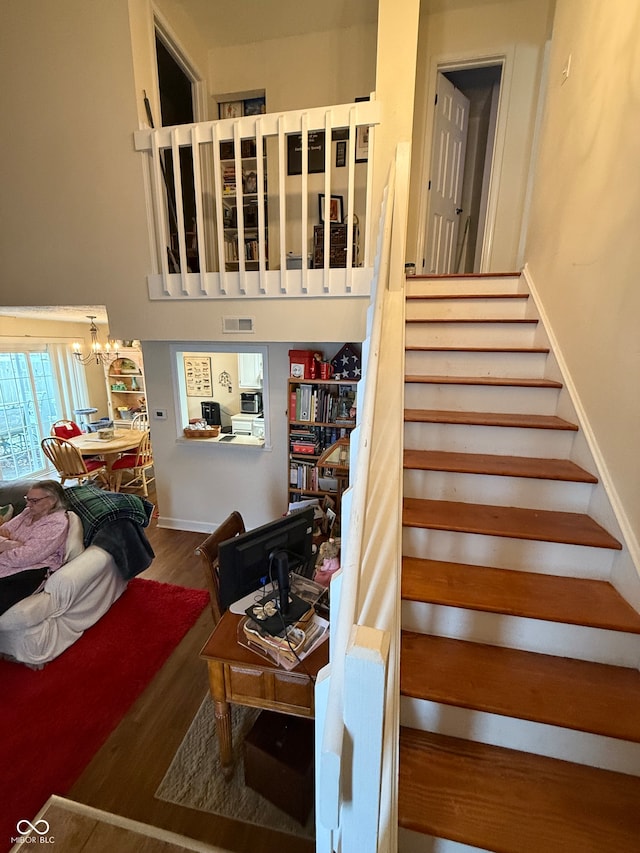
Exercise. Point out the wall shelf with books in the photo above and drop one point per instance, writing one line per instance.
(320, 412)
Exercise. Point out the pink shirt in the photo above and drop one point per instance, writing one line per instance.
(40, 542)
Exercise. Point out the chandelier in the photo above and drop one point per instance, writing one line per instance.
(97, 353)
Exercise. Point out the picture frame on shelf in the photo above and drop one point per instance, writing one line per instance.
(230, 109)
(335, 208)
(255, 106)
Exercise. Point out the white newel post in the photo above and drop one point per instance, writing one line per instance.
(365, 677)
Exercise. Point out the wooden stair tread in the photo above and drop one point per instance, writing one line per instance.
(503, 800)
(512, 522)
(494, 419)
(504, 466)
(484, 380)
(575, 601)
(573, 694)
(524, 320)
(535, 350)
(417, 296)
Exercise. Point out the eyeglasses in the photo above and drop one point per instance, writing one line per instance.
(35, 500)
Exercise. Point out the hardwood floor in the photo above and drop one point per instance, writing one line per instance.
(125, 773)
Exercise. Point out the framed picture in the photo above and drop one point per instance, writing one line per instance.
(362, 139)
(197, 373)
(335, 208)
(341, 153)
(315, 161)
(254, 106)
(362, 144)
(230, 109)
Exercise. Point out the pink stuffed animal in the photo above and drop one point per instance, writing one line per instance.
(328, 561)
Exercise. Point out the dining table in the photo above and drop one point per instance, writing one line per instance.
(90, 444)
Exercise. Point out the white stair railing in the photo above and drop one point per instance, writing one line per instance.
(357, 694)
(196, 264)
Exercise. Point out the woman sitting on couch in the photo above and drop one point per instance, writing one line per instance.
(32, 545)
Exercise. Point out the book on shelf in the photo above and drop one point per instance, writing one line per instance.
(304, 412)
(229, 179)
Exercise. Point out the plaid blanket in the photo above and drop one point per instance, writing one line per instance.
(97, 508)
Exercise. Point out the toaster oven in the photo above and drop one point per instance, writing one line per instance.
(251, 403)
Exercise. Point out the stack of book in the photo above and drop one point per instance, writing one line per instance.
(304, 441)
(229, 179)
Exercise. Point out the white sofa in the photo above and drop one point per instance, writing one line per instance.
(39, 628)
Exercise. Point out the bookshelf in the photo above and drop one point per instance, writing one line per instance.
(242, 195)
(124, 377)
(318, 415)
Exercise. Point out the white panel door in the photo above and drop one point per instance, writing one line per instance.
(447, 170)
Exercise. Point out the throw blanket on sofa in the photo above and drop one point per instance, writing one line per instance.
(97, 508)
(128, 545)
(113, 521)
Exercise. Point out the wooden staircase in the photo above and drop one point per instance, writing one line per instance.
(520, 690)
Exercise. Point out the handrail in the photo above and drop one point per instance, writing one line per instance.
(367, 586)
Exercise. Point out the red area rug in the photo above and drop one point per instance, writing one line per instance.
(53, 720)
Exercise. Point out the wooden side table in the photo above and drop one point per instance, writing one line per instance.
(239, 675)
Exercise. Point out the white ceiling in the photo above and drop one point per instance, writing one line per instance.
(245, 21)
(60, 313)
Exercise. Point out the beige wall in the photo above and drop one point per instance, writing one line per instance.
(454, 33)
(73, 213)
(582, 247)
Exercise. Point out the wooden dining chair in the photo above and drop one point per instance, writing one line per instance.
(208, 552)
(138, 463)
(140, 421)
(69, 462)
(65, 428)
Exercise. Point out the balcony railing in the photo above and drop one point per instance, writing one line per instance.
(237, 204)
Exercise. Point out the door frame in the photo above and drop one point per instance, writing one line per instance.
(459, 63)
(198, 86)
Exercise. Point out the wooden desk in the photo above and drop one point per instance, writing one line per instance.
(243, 677)
(124, 439)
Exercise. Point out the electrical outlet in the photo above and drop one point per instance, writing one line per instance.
(160, 414)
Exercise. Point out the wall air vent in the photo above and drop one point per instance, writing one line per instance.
(233, 325)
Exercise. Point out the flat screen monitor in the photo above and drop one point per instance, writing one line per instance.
(248, 562)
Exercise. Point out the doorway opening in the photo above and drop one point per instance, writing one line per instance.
(463, 141)
(176, 96)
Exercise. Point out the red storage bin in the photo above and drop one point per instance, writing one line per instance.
(301, 361)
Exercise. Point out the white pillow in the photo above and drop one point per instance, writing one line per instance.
(75, 538)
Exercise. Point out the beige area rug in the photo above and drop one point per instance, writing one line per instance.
(194, 778)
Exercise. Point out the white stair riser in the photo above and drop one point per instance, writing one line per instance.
(509, 441)
(415, 842)
(557, 495)
(460, 363)
(525, 555)
(459, 309)
(515, 632)
(481, 398)
(477, 286)
(470, 334)
(551, 741)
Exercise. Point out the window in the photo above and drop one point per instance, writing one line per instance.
(29, 404)
(223, 386)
